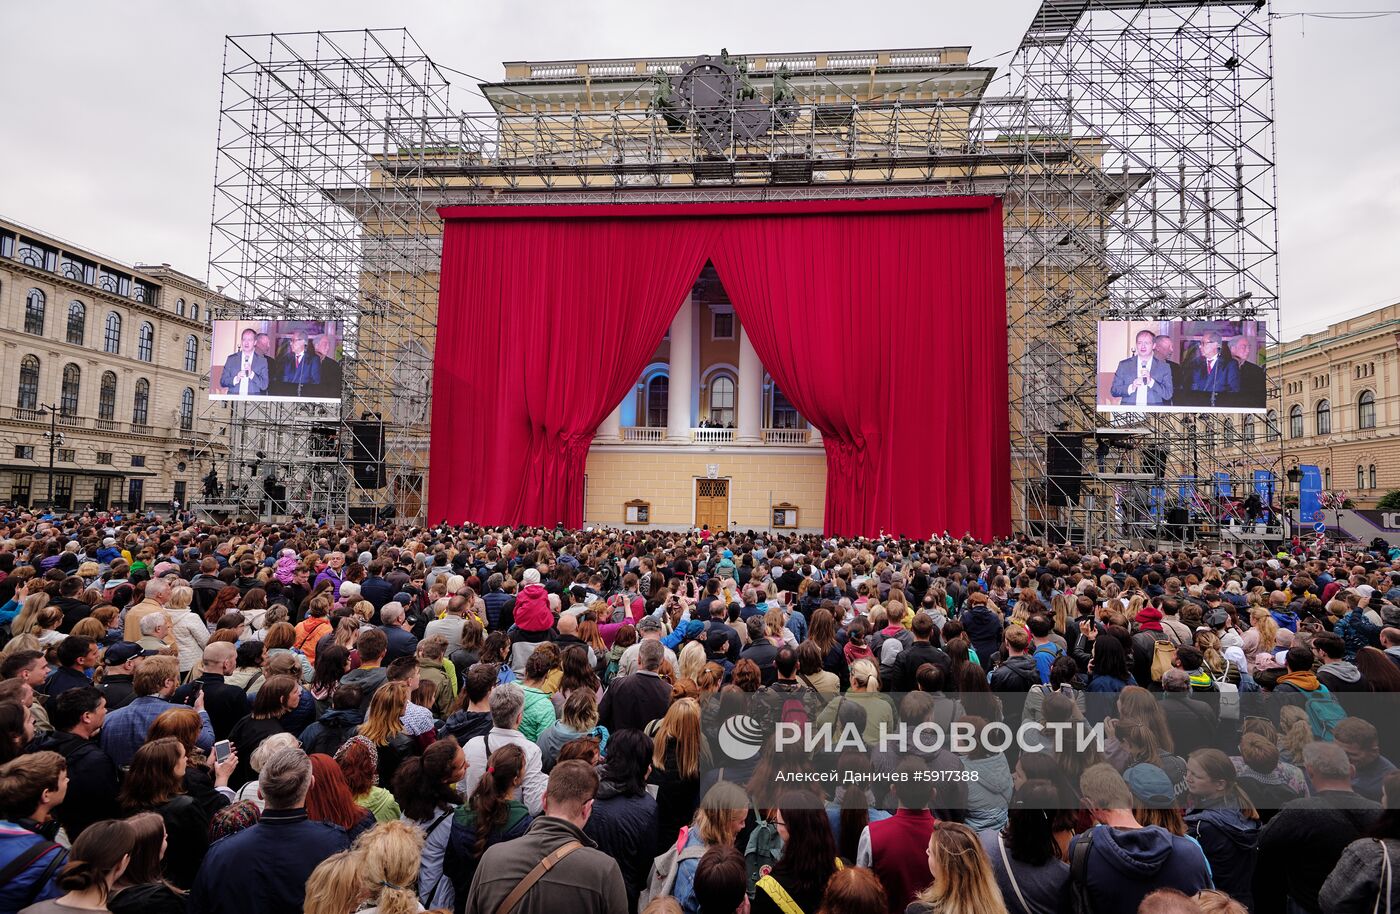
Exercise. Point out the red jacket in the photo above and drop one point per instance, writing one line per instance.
(532, 612)
(897, 854)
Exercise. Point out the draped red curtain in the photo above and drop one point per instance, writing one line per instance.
(883, 321)
(543, 325)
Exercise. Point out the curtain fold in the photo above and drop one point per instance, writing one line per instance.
(884, 322)
(543, 326)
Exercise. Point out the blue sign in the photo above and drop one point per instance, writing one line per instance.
(1222, 485)
(1319, 527)
(1264, 486)
(1310, 494)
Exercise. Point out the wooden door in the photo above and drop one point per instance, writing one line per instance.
(712, 503)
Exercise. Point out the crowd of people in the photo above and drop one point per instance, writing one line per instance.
(286, 717)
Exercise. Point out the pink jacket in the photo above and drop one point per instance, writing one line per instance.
(532, 612)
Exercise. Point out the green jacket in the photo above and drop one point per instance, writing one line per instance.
(539, 714)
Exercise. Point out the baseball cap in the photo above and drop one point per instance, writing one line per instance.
(1217, 618)
(121, 652)
(1149, 784)
(649, 624)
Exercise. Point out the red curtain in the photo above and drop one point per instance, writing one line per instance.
(883, 321)
(543, 325)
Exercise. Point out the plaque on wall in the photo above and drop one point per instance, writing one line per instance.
(785, 515)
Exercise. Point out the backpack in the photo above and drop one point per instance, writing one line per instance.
(1324, 713)
(1080, 901)
(1049, 649)
(1163, 656)
(662, 880)
(762, 852)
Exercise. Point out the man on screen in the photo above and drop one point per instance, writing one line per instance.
(299, 368)
(1215, 378)
(331, 375)
(1165, 349)
(245, 372)
(1252, 392)
(1142, 379)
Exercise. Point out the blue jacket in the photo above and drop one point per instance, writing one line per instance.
(24, 889)
(1126, 865)
(1356, 632)
(1127, 372)
(1231, 843)
(125, 729)
(625, 827)
(1225, 379)
(264, 868)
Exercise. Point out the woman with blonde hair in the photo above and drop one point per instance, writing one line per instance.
(718, 821)
(691, 661)
(336, 886)
(389, 856)
(678, 753)
(384, 728)
(190, 633)
(1259, 641)
(27, 621)
(963, 881)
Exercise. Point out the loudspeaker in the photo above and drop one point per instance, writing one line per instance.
(1154, 461)
(1064, 461)
(367, 453)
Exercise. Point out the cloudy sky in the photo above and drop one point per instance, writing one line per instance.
(111, 112)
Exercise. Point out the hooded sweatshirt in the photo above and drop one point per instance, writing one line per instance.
(532, 613)
(1230, 842)
(1341, 676)
(1303, 681)
(1125, 865)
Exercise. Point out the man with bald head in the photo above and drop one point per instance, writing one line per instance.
(568, 636)
(226, 704)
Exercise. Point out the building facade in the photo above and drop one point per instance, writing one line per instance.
(1341, 403)
(111, 360)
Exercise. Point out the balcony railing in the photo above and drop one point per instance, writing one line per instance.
(24, 414)
(106, 425)
(140, 429)
(643, 433)
(712, 435)
(72, 421)
(786, 436)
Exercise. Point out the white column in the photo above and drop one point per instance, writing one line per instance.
(749, 396)
(682, 378)
(611, 429)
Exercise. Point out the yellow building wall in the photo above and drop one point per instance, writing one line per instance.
(667, 481)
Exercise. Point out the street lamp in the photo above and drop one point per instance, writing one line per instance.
(1294, 476)
(55, 441)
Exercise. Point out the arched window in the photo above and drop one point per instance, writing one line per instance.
(144, 339)
(112, 341)
(1371, 476)
(1361, 477)
(77, 322)
(1327, 477)
(784, 413)
(1229, 432)
(194, 311)
(107, 397)
(28, 383)
(141, 403)
(34, 313)
(722, 400)
(187, 410)
(1366, 410)
(68, 394)
(1271, 429)
(180, 307)
(658, 400)
(1324, 417)
(1295, 422)
(191, 354)
(1247, 430)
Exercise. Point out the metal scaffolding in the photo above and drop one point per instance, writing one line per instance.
(1131, 142)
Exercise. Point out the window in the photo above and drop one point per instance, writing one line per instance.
(24, 452)
(34, 313)
(1324, 417)
(1295, 422)
(138, 460)
(1271, 430)
(20, 488)
(784, 413)
(113, 341)
(180, 307)
(722, 401)
(144, 292)
(723, 327)
(116, 283)
(191, 354)
(658, 401)
(67, 455)
(107, 397)
(187, 410)
(1371, 476)
(194, 311)
(1229, 433)
(79, 270)
(77, 322)
(28, 383)
(104, 458)
(40, 257)
(1361, 477)
(1366, 410)
(141, 402)
(7, 244)
(144, 339)
(1327, 477)
(68, 394)
(1247, 430)
(63, 492)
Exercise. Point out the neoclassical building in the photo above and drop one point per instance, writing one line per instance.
(112, 359)
(1341, 403)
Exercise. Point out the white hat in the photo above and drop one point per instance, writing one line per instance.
(532, 576)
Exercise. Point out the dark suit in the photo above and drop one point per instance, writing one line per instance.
(1159, 394)
(331, 379)
(1252, 388)
(257, 385)
(292, 378)
(1214, 386)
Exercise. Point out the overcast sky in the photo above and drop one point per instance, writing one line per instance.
(111, 110)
